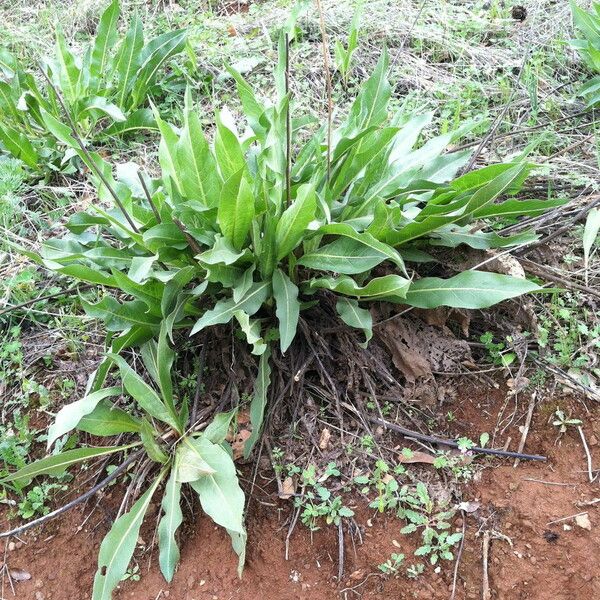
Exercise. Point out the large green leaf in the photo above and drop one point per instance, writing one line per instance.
(355, 316)
(58, 463)
(294, 220)
(18, 145)
(220, 495)
(127, 60)
(288, 308)
(69, 416)
(370, 106)
(198, 171)
(470, 289)
(236, 209)
(343, 255)
(225, 309)
(158, 50)
(107, 420)
(259, 401)
(388, 287)
(144, 395)
(68, 72)
(119, 317)
(171, 520)
(106, 38)
(119, 544)
(228, 150)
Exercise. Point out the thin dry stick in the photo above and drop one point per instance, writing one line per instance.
(527, 426)
(76, 288)
(460, 551)
(487, 595)
(587, 455)
(92, 165)
(567, 227)
(340, 551)
(325, 46)
(566, 518)
(525, 130)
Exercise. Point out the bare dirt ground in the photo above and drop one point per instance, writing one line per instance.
(533, 552)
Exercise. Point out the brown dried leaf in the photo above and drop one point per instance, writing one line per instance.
(238, 443)
(324, 440)
(288, 488)
(417, 457)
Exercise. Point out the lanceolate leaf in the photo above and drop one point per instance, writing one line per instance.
(470, 289)
(355, 316)
(104, 44)
(259, 401)
(294, 220)
(236, 209)
(366, 240)
(225, 309)
(143, 394)
(343, 255)
(54, 465)
(220, 494)
(170, 522)
(69, 416)
(389, 287)
(107, 420)
(590, 233)
(288, 308)
(199, 178)
(119, 544)
(158, 50)
(128, 58)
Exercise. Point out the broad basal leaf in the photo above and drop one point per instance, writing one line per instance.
(69, 416)
(295, 219)
(236, 209)
(225, 309)
(58, 463)
(171, 520)
(119, 544)
(220, 494)
(355, 316)
(288, 308)
(259, 401)
(107, 420)
(389, 287)
(470, 289)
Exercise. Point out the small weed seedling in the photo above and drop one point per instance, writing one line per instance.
(563, 422)
(392, 565)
